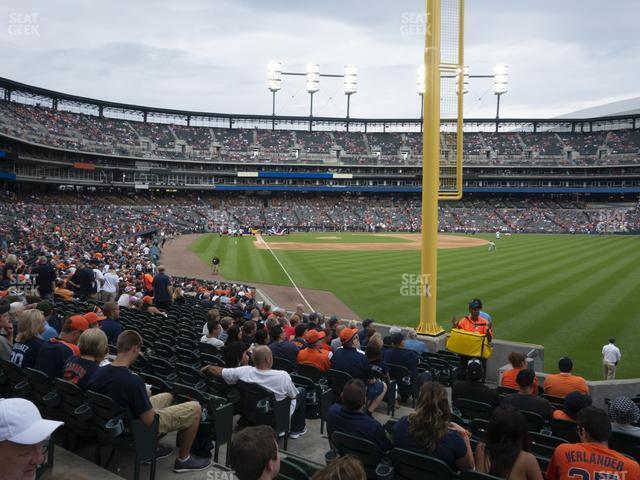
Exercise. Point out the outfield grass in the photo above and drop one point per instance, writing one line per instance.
(568, 293)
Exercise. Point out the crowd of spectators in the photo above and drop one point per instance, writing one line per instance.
(53, 254)
(92, 133)
(385, 143)
(173, 213)
(274, 140)
(315, 142)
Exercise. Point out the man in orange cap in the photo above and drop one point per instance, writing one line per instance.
(54, 354)
(93, 319)
(314, 354)
(350, 359)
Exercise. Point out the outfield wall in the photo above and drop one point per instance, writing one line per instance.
(501, 351)
(499, 363)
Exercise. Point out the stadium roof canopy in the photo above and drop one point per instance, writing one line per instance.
(630, 106)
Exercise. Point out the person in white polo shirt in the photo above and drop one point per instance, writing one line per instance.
(110, 285)
(610, 357)
(23, 433)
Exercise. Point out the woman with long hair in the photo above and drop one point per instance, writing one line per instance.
(8, 271)
(178, 296)
(430, 430)
(343, 468)
(233, 334)
(505, 451)
(373, 352)
(28, 342)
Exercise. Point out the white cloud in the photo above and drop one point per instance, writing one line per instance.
(211, 55)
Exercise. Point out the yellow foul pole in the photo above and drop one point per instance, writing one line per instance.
(430, 174)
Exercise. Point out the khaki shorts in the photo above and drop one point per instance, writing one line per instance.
(174, 418)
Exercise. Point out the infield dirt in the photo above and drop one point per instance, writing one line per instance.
(444, 241)
(180, 261)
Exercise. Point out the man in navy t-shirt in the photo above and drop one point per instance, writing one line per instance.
(281, 347)
(162, 289)
(350, 418)
(398, 355)
(110, 325)
(129, 391)
(45, 277)
(353, 361)
(55, 353)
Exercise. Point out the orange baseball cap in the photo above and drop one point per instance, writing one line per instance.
(147, 299)
(93, 318)
(313, 336)
(78, 322)
(347, 334)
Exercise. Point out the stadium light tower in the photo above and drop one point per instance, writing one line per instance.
(313, 85)
(500, 86)
(350, 85)
(274, 82)
(420, 88)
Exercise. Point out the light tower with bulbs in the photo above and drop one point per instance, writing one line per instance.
(350, 85)
(420, 74)
(274, 83)
(313, 82)
(500, 86)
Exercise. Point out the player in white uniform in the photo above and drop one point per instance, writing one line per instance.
(498, 235)
(492, 246)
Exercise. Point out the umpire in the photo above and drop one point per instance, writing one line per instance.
(215, 263)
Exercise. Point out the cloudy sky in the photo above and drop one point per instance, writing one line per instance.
(211, 55)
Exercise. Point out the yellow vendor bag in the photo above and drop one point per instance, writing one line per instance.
(469, 343)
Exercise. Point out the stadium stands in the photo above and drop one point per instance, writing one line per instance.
(624, 142)
(385, 143)
(234, 140)
(190, 213)
(351, 143)
(543, 144)
(135, 138)
(315, 142)
(504, 144)
(199, 138)
(586, 144)
(274, 140)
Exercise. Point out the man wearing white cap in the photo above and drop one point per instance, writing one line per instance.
(22, 436)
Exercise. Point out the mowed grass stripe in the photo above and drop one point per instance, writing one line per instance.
(518, 288)
(503, 259)
(586, 323)
(589, 319)
(568, 283)
(619, 324)
(495, 282)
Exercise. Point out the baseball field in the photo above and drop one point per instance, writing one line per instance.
(568, 293)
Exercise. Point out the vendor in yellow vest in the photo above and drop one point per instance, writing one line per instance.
(476, 322)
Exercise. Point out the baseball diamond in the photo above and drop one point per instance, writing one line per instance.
(564, 292)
